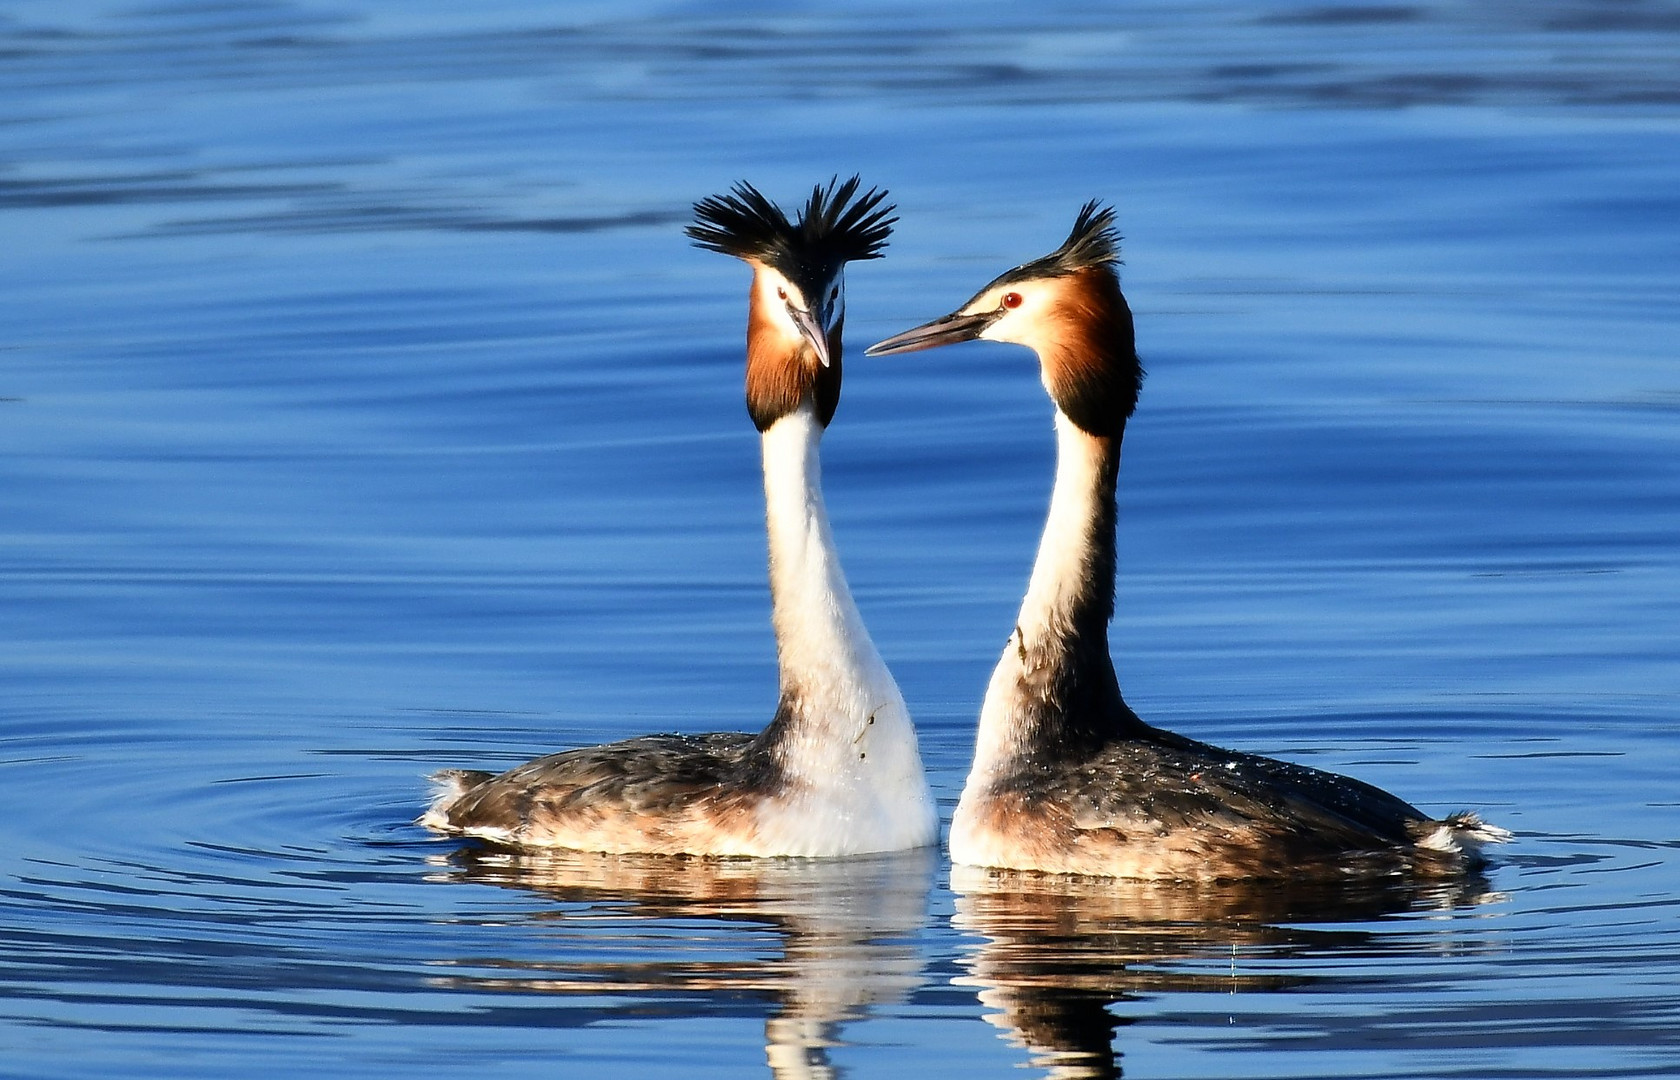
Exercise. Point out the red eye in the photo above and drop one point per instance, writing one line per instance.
(781, 293)
(1011, 299)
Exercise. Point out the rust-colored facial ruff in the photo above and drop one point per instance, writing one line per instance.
(799, 265)
(1088, 351)
(782, 368)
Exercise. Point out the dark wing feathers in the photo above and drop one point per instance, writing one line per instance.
(652, 774)
(1180, 783)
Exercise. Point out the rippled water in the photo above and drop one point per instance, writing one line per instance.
(364, 411)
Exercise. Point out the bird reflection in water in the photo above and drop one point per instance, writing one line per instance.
(1057, 950)
(845, 928)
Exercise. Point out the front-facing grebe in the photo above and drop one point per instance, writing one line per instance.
(1066, 778)
(837, 770)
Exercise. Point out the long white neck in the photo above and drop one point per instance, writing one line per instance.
(1054, 690)
(1075, 565)
(842, 732)
(820, 636)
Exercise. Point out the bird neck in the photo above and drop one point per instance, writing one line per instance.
(841, 751)
(829, 666)
(1055, 691)
(1072, 585)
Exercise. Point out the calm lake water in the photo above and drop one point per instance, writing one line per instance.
(365, 412)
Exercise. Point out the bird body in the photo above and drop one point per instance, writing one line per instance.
(1065, 777)
(837, 771)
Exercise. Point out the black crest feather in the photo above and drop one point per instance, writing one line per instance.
(1093, 242)
(832, 228)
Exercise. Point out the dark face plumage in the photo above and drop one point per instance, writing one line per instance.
(798, 304)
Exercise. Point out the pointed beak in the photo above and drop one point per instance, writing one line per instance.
(946, 330)
(813, 324)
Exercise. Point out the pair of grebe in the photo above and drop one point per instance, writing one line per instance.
(1066, 778)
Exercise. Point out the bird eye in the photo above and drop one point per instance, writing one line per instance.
(834, 294)
(781, 293)
(1011, 299)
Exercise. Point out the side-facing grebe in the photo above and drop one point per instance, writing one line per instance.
(1066, 778)
(837, 770)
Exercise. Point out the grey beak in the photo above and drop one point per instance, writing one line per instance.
(945, 330)
(810, 324)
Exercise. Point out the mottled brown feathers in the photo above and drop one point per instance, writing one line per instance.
(1158, 805)
(657, 793)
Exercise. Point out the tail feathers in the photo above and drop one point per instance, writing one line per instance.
(1472, 832)
(450, 785)
(1462, 833)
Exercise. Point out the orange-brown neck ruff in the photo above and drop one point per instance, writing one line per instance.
(782, 373)
(1089, 352)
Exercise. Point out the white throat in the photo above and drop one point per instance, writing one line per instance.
(1060, 572)
(1065, 549)
(820, 635)
(852, 741)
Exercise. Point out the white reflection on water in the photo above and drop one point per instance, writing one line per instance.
(845, 931)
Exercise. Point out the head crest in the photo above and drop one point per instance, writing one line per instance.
(832, 229)
(1092, 243)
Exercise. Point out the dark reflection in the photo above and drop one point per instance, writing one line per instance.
(366, 212)
(178, 186)
(844, 930)
(1058, 951)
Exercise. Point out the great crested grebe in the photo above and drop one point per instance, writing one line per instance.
(1066, 778)
(837, 770)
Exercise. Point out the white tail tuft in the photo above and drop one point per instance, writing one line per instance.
(1462, 833)
(448, 785)
(1469, 832)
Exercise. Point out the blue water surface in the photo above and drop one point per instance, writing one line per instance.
(364, 412)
